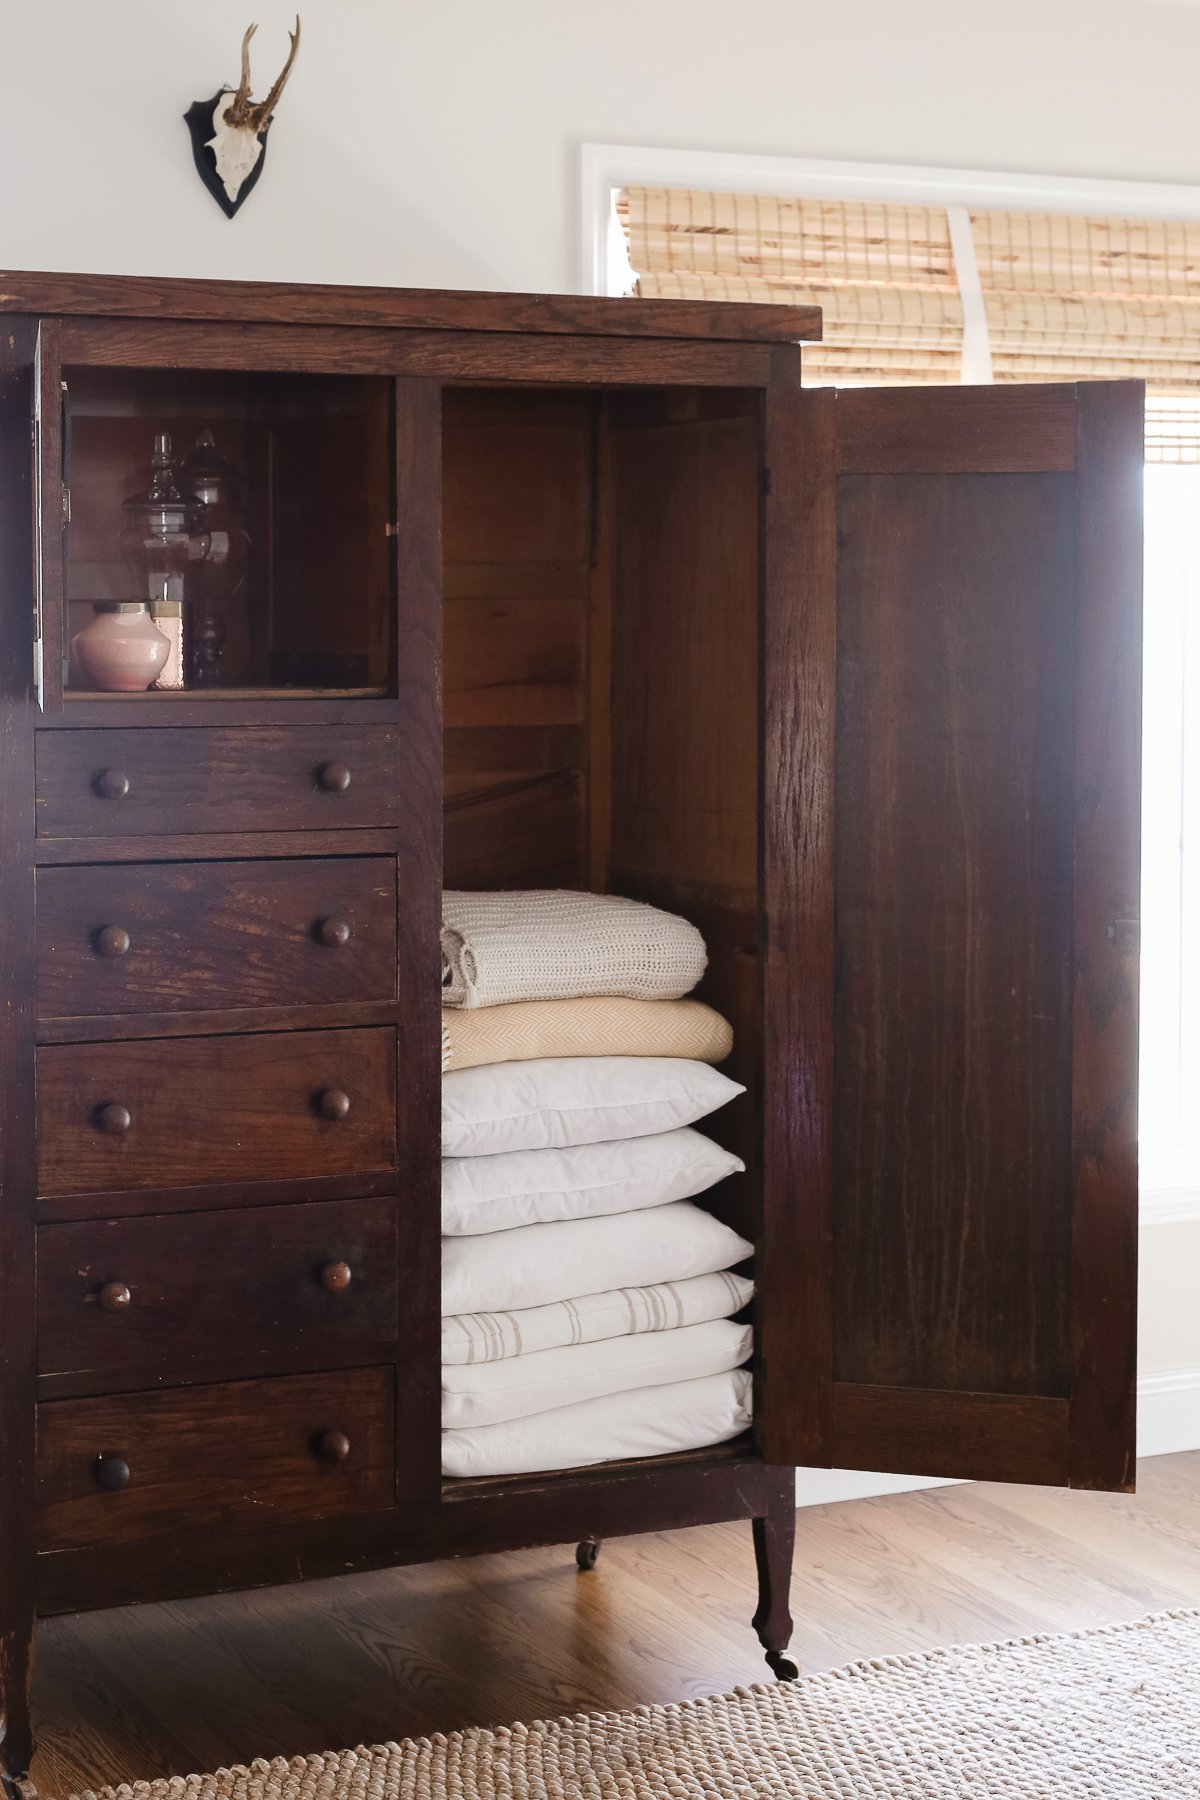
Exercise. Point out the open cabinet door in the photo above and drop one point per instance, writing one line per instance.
(952, 685)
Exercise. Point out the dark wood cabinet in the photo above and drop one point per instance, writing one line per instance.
(548, 592)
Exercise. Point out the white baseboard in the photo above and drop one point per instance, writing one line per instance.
(818, 1487)
(1168, 1422)
(1169, 1412)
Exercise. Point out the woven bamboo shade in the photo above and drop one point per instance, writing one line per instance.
(884, 275)
(1070, 297)
(1066, 297)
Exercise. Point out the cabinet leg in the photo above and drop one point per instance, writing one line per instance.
(586, 1554)
(774, 1546)
(16, 1738)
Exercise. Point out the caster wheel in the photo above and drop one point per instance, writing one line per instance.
(586, 1554)
(18, 1787)
(781, 1666)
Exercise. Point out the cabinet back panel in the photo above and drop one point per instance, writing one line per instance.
(954, 830)
(685, 716)
(517, 565)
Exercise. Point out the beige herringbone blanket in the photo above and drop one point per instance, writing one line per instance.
(1112, 1714)
(554, 944)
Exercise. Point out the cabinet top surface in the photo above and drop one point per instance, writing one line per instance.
(421, 309)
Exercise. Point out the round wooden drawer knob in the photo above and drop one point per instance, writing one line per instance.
(112, 1473)
(112, 784)
(333, 1447)
(334, 932)
(333, 1104)
(114, 1119)
(113, 940)
(334, 777)
(336, 1277)
(114, 1297)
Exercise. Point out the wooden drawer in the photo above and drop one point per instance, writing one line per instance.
(299, 1447)
(184, 1112)
(186, 937)
(158, 1296)
(121, 783)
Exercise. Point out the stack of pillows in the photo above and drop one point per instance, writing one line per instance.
(588, 1304)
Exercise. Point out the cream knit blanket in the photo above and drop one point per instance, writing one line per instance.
(559, 945)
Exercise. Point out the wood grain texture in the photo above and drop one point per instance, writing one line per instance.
(265, 779)
(195, 1281)
(400, 308)
(685, 686)
(953, 854)
(168, 846)
(17, 1142)
(145, 1203)
(514, 662)
(433, 355)
(325, 508)
(418, 570)
(795, 1339)
(473, 1518)
(203, 936)
(1104, 1059)
(485, 1641)
(992, 430)
(215, 1109)
(971, 1437)
(163, 711)
(201, 1456)
(111, 1028)
(517, 503)
(49, 513)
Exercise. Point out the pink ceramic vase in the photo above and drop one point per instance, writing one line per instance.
(121, 650)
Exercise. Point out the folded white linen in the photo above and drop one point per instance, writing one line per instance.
(529, 1187)
(682, 1415)
(561, 1101)
(484, 1337)
(535, 1264)
(493, 1392)
(555, 944)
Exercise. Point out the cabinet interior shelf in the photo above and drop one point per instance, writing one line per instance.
(171, 696)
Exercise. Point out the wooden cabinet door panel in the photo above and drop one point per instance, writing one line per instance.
(186, 937)
(158, 1297)
(134, 783)
(160, 1113)
(953, 630)
(209, 1456)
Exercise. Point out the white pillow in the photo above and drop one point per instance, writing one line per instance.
(493, 1392)
(683, 1415)
(535, 1264)
(527, 1187)
(566, 1100)
(589, 1318)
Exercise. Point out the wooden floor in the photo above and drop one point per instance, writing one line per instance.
(168, 1689)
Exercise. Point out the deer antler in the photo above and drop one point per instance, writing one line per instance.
(257, 117)
(262, 114)
(238, 109)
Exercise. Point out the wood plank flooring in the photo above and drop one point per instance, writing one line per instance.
(167, 1689)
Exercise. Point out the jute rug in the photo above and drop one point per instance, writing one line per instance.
(1112, 1714)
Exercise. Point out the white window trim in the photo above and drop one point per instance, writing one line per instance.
(606, 168)
(604, 267)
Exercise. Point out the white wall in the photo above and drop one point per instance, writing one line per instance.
(437, 145)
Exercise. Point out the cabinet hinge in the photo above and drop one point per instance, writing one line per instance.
(1125, 935)
(66, 506)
